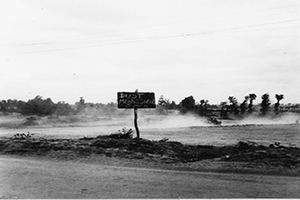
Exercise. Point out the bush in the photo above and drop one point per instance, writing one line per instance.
(122, 134)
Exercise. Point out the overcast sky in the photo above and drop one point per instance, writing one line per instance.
(211, 49)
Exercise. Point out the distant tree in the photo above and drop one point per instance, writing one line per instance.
(173, 105)
(265, 104)
(163, 105)
(3, 106)
(252, 98)
(205, 107)
(234, 105)
(243, 106)
(80, 105)
(223, 113)
(163, 101)
(9, 106)
(187, 104)
(62, 108)
(201, 108)
(39, 106)
(279, 97)
(81, 101)
(14, 106)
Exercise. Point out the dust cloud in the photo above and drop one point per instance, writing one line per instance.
(284, 118)
(172, 119)
(11, 121)
(177, 120)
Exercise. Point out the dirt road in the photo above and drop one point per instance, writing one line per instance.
(32, 178)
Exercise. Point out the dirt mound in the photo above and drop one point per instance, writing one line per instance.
(159, 151)
(274, 154)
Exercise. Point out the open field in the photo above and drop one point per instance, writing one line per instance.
(189, 133)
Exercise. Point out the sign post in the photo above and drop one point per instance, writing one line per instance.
(135, 119)
(136, 100)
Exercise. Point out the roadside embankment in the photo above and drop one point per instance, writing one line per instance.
(240, 157)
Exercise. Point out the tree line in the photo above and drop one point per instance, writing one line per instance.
(225, 108)
(36, 106)
(40, 106)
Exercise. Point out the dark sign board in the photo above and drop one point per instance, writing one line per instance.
(136, 100)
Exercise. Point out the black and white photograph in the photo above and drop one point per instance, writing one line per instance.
(149, 99)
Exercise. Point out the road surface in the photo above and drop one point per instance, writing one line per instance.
(33, 178)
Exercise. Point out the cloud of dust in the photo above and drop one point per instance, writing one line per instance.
(177, 120)
(11, 121)
(146, 119)
(173, 120)
(284, 118)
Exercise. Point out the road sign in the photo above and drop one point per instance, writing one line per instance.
(136, 100)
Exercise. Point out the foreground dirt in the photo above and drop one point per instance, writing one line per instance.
(242, 157)
(41, 178)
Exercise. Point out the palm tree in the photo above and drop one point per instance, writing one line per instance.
(265, 103)
(203, 107)
(234, 104)
(252, 97)
(243, 105)
(279, 97)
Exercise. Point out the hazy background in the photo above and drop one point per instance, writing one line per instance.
(206, 48)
